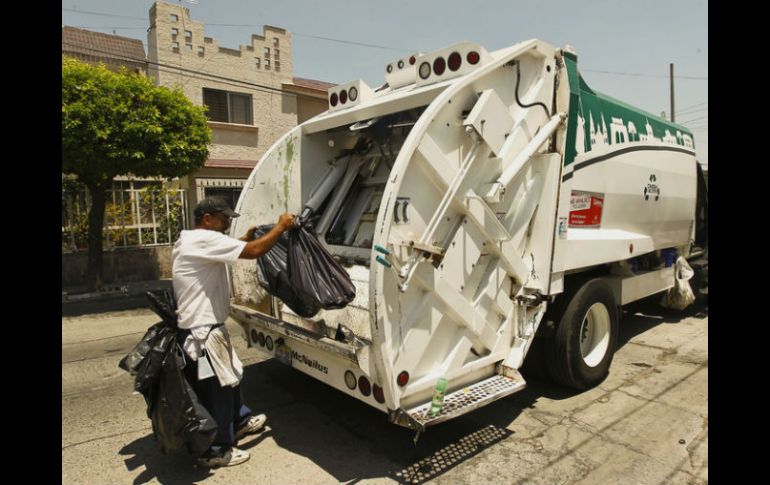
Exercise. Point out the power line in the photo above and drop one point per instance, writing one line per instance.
(299, 34)
(642, 75)
(376, 46)
(100, 14)
(695, 119)
(691, 111)
(694, 105)
(194, 73)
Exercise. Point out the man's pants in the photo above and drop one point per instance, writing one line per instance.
(225, 404)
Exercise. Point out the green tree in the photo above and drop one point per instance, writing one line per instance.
(119, 124)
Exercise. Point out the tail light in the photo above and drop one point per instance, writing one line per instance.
(353, 93)
(350, 380)
(269, 342)
(439, 65)
(261, 338)
(424, 70)
(333, 100)
(401, 64)
(378, 394)
(364, 386)
(454, 61)
(343, 97)
(473, 57)
(412, 60)
(254, 336)
(403, 378)
(389, 69)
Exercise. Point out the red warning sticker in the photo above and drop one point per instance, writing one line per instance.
(586, 209)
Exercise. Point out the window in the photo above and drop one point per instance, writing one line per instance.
(175, 46)
(187, 35)
(277, 66)
(188, 47)
(174, 32)
(256, 62)
(228, 107)
(174, 18)
(267, 52)
(230, 194)
(276, 54)
(275, 41)
(201, 51)
(267, 64)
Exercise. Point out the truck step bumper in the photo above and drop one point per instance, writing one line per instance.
(461, 401)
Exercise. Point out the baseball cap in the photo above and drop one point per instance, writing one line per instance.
(212, 205)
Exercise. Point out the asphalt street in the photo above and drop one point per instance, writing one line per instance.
(646, 424)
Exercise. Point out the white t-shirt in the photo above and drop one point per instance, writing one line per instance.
(201, 285)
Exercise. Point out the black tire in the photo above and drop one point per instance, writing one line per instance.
(563, 357)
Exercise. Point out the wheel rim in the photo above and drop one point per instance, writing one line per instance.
(595, 334)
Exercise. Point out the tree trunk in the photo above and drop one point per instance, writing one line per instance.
(98, 194)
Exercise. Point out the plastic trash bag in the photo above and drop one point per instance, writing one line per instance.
(300, 272)
(680, 296)
(315, 273)
(178, 418)
(145, 359)
(273, 276)
(157, 363)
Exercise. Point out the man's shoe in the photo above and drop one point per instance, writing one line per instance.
(254, 424)
(218, 456)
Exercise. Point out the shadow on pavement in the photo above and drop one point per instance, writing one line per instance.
(642, 315)
(353, 441)
(172, 469)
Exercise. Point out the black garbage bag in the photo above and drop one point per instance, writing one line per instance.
(273, 276)
(145, 359)
(300, 272)
(162, 302)
(178, 418)
(157, 363)
(315, 274)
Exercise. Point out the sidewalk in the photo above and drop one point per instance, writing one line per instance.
(126, 296)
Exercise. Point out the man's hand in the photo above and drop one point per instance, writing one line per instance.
(286, 221)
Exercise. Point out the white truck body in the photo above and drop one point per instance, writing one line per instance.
(460, 203)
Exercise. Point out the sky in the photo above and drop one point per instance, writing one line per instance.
(624, 47)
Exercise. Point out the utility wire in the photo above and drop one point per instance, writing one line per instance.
(374, 46)
(195, 73)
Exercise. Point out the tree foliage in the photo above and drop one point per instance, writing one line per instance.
(120, 124)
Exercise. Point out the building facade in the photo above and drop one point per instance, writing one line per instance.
(250, 92)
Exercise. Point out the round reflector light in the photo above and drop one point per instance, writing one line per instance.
(454, 60)
(343, 97)
(473, 57)
(403, 378)
(425, 70)
(350, 380)
(401, 64)
(269, 342)
(389, 69)
(364, 386)
(412, 60)
(378, 394)
(261, 338)
(439, 65)
(254, 335)
(333, 99)
(353, 93)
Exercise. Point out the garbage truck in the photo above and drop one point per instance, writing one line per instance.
(479, 201)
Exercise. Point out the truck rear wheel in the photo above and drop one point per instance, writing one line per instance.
(580, 352)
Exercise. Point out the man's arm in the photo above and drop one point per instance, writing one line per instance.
(257, 247)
